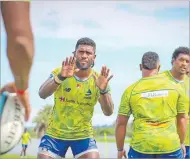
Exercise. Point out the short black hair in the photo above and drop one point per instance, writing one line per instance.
(180, 50)
(86, 41)
(150, 60)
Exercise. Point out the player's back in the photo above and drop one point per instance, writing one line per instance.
(155, 99)
(154, 103)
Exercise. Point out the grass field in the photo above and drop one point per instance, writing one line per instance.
(110, 140)
(12, 156)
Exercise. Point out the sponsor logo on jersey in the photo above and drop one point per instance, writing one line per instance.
(88, 93)
(155, 94)
(67, 89)
(62, 99)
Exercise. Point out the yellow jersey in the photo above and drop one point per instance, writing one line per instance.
(74, 101)
(25, 138)
(185, 86)
(154, 103)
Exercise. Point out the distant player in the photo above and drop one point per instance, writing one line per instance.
(25, 140)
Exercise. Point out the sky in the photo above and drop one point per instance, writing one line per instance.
(123, 32)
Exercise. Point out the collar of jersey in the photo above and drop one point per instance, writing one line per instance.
(82, 80)
(178, 81)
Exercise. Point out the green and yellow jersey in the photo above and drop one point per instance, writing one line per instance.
(154, 103)
(74, 101)
(185, 86)
(25, 138)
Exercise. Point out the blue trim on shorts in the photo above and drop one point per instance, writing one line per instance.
(187, 152)
(134, 154)
(60, 147)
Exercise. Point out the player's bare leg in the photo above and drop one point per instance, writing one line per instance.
(90, 155)
(43, 156)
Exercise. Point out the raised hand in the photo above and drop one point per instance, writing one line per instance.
(68, 67)
(103, 79)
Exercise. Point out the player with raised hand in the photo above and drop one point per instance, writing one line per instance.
(77, 88)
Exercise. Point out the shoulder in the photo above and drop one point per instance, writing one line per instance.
(129, 89)
(187, 79)
(164, 73)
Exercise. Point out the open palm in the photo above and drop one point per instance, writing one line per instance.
(103, 79)
(68, 67)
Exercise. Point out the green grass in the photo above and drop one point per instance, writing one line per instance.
(101, 139)
(13, 156)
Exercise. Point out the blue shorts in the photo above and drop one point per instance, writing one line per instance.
(24, 146)
(187, 151)
(134, 154)
(58, 148)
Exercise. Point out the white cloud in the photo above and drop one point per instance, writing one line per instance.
(112, 26)
(152, 6)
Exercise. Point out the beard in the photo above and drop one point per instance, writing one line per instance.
(83, 67)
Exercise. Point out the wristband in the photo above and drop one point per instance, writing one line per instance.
(20, 92)
(120, 150)
(57, 80)
(104, 91)
(61, 77)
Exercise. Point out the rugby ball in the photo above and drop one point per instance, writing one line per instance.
(12, 121)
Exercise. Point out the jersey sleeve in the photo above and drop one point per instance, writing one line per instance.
(125, 108)
(55, 72)
(182, 103)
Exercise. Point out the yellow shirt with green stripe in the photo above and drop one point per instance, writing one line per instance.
(154, 103)
(25, 138)
(185, 86)
(74, 101)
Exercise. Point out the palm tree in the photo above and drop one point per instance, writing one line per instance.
(41, 120)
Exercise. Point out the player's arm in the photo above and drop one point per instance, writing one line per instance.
(181, 116)
(106, 103)
(29, 137)
(57, 77)
(48, 87)
(121, 124)
(181, 126)
(20, 46)
(182, 105)
(120, 131)
(105, 99)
